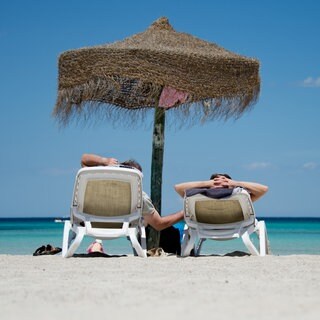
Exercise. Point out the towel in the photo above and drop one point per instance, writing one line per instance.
(170, 97)
(216, 193)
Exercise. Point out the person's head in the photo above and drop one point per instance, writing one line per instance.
(131, 163)
(215, 175)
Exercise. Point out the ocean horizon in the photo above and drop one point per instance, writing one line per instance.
(287, 236)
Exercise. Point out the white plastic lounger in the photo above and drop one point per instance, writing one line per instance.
(222, 219)
(106, 204)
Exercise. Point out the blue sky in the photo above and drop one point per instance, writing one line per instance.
(276, 143)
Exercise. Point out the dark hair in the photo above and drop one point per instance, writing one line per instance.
(219, 174)
(131, 163)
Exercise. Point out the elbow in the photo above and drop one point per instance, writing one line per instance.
(158, 228)
(179, 190)
(84, 160)
(263, 190)
(161, 225)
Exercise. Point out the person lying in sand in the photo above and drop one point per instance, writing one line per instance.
(150, 214)
(223, 180)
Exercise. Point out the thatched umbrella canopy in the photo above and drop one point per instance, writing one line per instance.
(132, 73)
(158, 68)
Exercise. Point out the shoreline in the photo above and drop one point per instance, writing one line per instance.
(50, 287)
(317, 217)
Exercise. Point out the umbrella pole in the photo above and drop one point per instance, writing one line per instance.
(156, 171)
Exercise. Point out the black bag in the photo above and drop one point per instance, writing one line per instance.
(170, 240)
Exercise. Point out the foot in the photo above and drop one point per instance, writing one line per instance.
(95, 247)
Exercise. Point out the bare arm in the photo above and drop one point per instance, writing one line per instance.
(182, 187)
(160, 223)
(256, 190)
(92, 160)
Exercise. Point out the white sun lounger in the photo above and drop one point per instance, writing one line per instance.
(106, 204)
(222, 219)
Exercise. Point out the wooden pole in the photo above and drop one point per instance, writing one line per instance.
(156, 171)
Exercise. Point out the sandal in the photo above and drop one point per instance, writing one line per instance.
(47, 250)
(52, 250)
(39, 251)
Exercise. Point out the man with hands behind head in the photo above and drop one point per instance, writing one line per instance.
(223, 180)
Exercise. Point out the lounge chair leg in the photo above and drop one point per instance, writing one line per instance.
(188, 241)
(198, 247)
(69, 247)
(135, 244)
(143, 240)
(76, 242)
(66, 235)
(263, 238)
(67, 238)
(184, 241)
(248, 243)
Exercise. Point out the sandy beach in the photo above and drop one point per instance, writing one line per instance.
(50, 287)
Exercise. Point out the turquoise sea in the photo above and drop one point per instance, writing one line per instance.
(287, 236)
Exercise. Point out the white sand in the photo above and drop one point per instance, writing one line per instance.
(50, 287)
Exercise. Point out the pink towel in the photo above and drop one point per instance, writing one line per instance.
(170, 97)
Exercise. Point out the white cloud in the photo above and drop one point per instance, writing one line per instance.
(310, 165)
(258, 165)
(311, 82)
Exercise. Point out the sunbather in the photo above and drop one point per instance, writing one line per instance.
(222, 180)
(150, 214)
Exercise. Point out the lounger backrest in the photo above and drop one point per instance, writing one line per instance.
(108, 191)
(218, 211)
(236, 208)
(107, 198)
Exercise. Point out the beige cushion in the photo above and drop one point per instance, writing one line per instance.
(218, 211)
(107, 198)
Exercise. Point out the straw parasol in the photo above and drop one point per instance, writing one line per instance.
(160, 69)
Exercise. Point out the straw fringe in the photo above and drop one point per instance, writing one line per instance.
(104, 100)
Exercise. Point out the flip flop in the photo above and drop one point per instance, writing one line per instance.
(47, 250)
(52, 250)
(39, 251)
(156, 252)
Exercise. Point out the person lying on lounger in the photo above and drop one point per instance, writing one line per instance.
(223, 180)
(150, 214)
